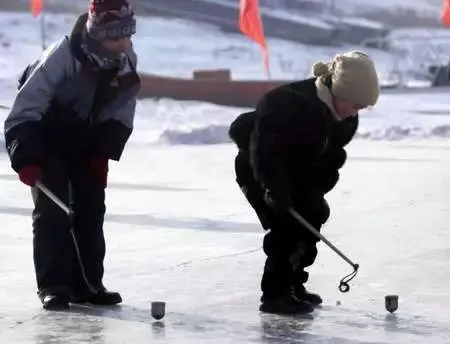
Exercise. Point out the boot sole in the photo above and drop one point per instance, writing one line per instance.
(55, 307)
(293, 311)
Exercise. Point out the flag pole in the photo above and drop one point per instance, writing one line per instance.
(43, 33)
(37, 9)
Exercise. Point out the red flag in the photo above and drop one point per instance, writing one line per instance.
(250, 25)
(445, 17)
(36, 7)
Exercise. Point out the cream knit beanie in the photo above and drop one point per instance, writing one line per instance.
(353, 77)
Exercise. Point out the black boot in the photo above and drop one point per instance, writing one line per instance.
(302, 294)
(287, 304)
(53, 301)
(105, 297)
(102, 297)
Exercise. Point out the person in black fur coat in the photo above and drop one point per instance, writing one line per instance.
(291, 149)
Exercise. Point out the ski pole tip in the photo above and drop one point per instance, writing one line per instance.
(344, 287)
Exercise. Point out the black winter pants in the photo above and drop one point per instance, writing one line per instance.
(56, 265)
(289, 247)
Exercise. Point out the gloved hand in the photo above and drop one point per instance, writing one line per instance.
(333, 158)
(277, 199)
(99, 169)
(29, 175)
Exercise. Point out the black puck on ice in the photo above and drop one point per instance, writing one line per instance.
(158, 309)
(391, 303)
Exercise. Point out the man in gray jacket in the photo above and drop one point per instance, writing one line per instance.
(74, 112)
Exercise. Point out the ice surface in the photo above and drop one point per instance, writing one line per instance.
(179, 230)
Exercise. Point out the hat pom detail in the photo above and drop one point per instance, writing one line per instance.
(320, 68)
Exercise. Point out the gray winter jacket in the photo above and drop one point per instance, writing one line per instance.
(67, 107)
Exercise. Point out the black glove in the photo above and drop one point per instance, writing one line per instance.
(325, 179)
(277, 199)
(334, 158)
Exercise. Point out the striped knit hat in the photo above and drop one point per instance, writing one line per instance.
(110, 19)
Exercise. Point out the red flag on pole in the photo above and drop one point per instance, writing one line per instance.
(36, 7)
(445, 16)
(250, 25)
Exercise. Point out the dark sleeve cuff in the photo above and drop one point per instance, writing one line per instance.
(110, 139)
